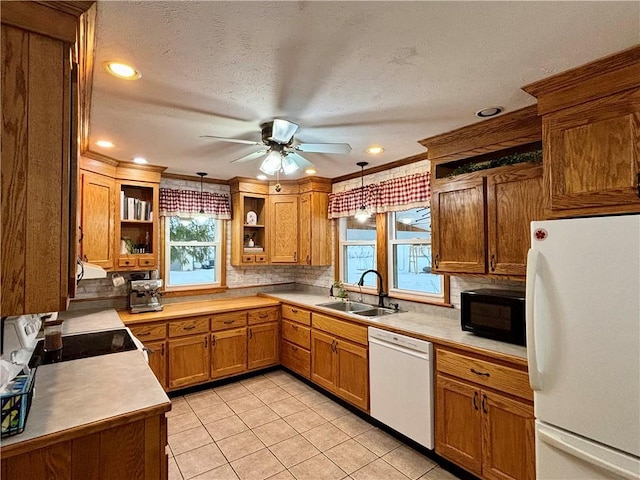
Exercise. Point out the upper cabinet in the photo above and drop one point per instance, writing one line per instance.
(481, 216)
(591, 135)
(39, 138)
(283, 223)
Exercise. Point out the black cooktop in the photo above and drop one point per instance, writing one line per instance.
(84, 345)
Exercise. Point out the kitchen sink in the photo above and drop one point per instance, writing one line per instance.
(346, 306)
(375, 312)
(362, 309)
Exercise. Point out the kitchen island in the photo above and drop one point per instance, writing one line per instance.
(99, 417)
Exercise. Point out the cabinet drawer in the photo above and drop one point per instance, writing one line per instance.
(296, 358)
(147, 261)
(296, 333)
(189, 326)
(261, 315)
(350, 331)
(296, 314)
(261, 258)
(149, 332)
(221, 321)
(483, 372)
(248, 259)
(128, 262)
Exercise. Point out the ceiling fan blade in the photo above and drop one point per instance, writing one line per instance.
(300, 160)
(343, 148)
(251, 156)
(283, 131)
(234, 140)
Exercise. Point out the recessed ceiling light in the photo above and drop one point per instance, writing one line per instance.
(140, 160)
(262, 177)
(374, 150)
(489, 112)
(105, 144)
(122, 70)
(310, 171)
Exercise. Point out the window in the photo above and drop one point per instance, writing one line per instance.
(410, 254)
(357, 250)
(192, 252)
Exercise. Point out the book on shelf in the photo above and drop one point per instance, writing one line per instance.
(135, 209)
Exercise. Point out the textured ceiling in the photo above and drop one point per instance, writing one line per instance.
(388, 73)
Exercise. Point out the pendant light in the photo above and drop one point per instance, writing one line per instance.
(201, 218)
(362, 215)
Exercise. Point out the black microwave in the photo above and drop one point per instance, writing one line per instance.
(497, 314)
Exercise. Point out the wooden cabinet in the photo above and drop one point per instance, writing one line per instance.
(97, 205)
(339, 365)
(188, 360)
(39, 138)
(315, 228)
(481, 224)
(263, 345)
(457, 226)
(228, 352)
(137, 213)
(153, 336)
(484, 416)
(284, 228)
(248, 231)
(590, 121)
(296, 340)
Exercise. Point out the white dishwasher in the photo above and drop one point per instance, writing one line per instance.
(401, 384)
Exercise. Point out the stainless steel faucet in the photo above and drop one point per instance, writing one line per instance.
(381, 293)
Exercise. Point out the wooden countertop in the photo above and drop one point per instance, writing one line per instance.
(190, 309)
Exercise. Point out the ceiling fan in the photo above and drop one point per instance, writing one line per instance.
(281, 151)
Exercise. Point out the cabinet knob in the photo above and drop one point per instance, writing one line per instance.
(484, 401)
(475, 400)
(436, 259)
(483, 374)
(250, 334)
(492, 263)
(638, 183)
(295, 256)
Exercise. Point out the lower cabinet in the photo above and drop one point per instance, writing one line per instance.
(157, 352)
(188, 360)
(263, 343)
(485, 431)
(228, 352)
(341, 367)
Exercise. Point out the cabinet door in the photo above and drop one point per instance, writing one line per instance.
(458, 226)
(592, 156)
(296, 358)
(315, 244)
(188, 361)
(459, 423)
(35, 170)
(514, 199)
(228, 352)
(284, 228)
(322, 359)
(263, 348)
(97, 219)
(508, 444)
(158, 360)
(352, 373)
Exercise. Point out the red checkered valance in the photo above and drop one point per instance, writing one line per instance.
(392, 195)
(187, 204)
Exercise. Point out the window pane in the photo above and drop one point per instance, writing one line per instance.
(360, 231)
(412, 267)
(414, 223)
(190, 230)
(192, 265)
(357, 260)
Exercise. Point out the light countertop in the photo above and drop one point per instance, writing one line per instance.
(437, 329)
(88, 391)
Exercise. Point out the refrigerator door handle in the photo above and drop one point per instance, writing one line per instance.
(532, 356)
(560, 444)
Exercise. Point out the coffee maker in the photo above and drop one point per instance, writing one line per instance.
(145, 296)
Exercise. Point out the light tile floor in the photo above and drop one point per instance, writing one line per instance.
(274, 426)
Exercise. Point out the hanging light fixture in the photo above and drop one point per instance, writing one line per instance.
(201, 218)
(272, 163)
(362, 215)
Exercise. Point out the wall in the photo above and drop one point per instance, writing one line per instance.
(458, 284)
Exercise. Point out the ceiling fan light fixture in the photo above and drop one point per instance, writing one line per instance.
(283, 130)
(289, 165)
(272, 163)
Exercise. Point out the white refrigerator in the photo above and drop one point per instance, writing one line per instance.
(583, 346)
